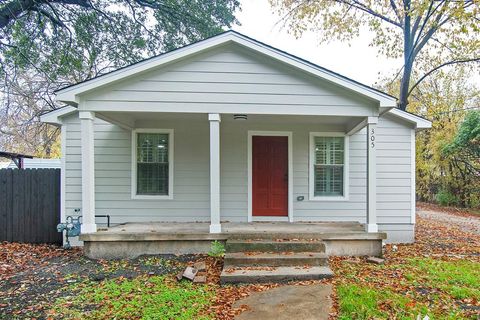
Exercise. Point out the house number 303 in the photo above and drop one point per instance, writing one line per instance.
(372, 138)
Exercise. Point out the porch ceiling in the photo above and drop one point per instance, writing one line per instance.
(132, 120)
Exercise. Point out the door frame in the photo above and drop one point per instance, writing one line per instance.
(287, 134)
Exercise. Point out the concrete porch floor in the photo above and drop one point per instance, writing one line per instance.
(134, 239)
(200, 231)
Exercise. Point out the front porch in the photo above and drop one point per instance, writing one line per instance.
(130, 240)
(211, 169)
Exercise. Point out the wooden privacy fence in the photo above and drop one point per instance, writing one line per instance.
(30, 205)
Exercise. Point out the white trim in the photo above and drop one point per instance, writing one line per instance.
(225, 108)
(214, 124)
(287, 134)
(87, 140)
(63, 180)
(356, 128)
(371, 225)
(215, 228)
(53, 117)
(86, 115)
(70, 94)
(270, 219)
(419, 122)
(311, 161)
(412, 174)
(170, 165)
(121, 124)
(214, 117)
(372, 120)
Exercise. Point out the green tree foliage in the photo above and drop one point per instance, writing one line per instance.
(427, 34)
(467, 141)
(447, 155)
(79, 39)
(45, 45)
(463, 154)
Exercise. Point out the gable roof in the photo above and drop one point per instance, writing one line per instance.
(417, 121)
(70, 94)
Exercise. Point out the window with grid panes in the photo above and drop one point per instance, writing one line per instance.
(328, 166)
(152, 163)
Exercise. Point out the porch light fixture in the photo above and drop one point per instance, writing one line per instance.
(239, 117)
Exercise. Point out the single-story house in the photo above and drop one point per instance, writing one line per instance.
(232, 130)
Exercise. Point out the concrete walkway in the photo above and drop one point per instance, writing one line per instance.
(310, 302)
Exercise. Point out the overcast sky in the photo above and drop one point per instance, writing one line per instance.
(357, 60)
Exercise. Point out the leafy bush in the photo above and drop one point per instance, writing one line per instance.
(217, 249)
(446, 198)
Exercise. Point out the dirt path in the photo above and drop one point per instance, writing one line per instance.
(463, 222)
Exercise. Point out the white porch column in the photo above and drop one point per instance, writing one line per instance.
(214, 119)
(371, 225)
(88, 172)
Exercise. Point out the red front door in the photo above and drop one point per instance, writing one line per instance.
(270, 176)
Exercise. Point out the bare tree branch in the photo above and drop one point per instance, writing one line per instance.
(441, 66)
(363, 7)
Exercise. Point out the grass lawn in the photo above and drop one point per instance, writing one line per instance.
(419, 286)
(144, 297)
(437, 276)
(46, 282)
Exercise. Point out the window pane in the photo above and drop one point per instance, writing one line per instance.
(328, 180)
(320, 150)
(328, 167)
(152, 164)
(336, 150)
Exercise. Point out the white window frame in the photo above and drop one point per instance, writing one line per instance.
(311, 162)
(169, 196)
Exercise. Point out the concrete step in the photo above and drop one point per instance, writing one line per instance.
(279, 274)
(274, 246)
(277, 259)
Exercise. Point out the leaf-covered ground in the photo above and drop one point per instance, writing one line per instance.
(43, 281)
(436, 276)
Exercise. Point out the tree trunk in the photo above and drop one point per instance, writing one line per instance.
(405, 85)
(408, 57)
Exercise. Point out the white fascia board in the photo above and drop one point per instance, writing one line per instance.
(419, 122)
(53, 117)
(69, 95)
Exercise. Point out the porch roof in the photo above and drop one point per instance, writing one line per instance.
(128, 122)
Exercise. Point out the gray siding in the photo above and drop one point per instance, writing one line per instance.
(113, 174)
(394, 172)
(228, 77)
(234, 174)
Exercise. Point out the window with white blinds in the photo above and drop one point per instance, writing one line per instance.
(152, 163)
(328, 166)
